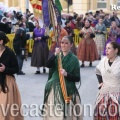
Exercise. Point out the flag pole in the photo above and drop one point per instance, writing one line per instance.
(53, 20)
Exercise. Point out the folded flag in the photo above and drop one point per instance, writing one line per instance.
(37, 5)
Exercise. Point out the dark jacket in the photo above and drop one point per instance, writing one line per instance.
(31, 26)
(5, 28)
(19, 40)
(9, 60)
(107, 23)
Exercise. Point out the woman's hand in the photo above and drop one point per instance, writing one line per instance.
(63, 72)
(99, 31)
(57, 51)
(39, 38)
(2, 68)
(36, 39)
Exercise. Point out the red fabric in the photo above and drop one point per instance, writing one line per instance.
(93, 25)
(37, 6)
(102, 109)
(72, 25)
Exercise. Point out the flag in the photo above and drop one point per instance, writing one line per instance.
(37, 5)
(51, 13)
(57, 13)
(45, 8)
(58, 4)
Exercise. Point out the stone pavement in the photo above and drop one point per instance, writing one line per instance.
(31, 88)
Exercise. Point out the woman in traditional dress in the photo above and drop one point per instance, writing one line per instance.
(113, 35)
(100, 37)
(55, 93)
(87, 50)
(40, 49)
(108, 74)
(9, 93)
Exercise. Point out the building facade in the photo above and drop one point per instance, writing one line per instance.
(82, 6)
(18, 4)
(79, 6)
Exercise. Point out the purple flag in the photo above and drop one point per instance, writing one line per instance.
(45, 11)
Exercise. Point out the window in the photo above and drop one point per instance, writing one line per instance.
(101, 3)
(118, 2)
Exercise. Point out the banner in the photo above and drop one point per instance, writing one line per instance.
(57, 13)
(46, 17)
(58, 4)
(37, 5)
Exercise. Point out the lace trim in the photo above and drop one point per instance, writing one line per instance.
(107, 93)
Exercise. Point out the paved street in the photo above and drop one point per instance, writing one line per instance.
(31, 87)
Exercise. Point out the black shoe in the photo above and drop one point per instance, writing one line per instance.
(82, 65)
(20, 73)
(37, 72)
(44, 70)
(90, 64)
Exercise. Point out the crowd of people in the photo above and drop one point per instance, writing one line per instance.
(93, 31)
(63, 61)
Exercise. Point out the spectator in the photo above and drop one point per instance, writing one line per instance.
(115, 18)
(107, 21)
(19, 43)
(5, 25)
(71, 34)
(31, 23)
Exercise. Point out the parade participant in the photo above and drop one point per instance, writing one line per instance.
(9, 93)
(87, 50)
(54, 89)
(100, 37)
(40, 49)
(108, 74)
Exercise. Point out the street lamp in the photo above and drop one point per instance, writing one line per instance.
(68, 3)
